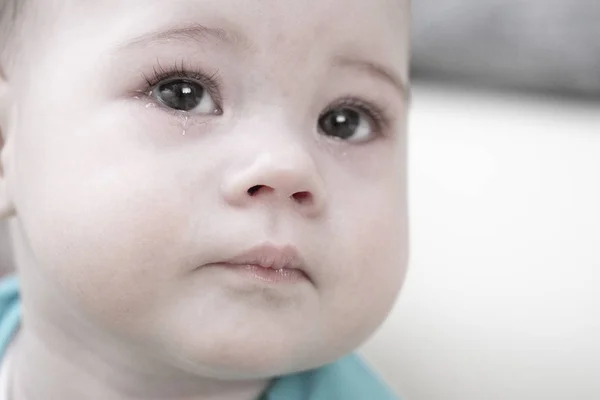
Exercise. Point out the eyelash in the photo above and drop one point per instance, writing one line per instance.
(212, 83)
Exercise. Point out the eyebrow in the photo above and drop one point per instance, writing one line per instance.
(192, 32)
(378, 71)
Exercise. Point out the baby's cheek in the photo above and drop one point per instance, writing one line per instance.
(103, 213)
(110, 240)
(371, 265)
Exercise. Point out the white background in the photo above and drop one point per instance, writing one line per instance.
(502, 300)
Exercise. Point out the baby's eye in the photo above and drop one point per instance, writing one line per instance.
(185, 95)
(347, 123)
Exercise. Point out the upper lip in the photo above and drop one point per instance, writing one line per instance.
(270, 256)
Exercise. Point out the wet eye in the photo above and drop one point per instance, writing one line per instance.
(185, 95)
(347, 123)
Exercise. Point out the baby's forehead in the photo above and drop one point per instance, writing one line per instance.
(369, 24)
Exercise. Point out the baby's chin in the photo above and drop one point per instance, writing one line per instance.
(237, 341)
(249, 353)
(255, 344)
(260, 359)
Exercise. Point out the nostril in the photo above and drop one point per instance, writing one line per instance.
(254, 190)
(298, 197)
(302, 197)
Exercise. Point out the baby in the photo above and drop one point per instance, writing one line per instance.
(207, 197)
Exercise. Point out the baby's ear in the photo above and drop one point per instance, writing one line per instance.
(6, 120)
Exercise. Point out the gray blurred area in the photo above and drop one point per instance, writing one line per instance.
(5, 252)
(543, 45)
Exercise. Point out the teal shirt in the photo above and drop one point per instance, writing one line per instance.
(346, 379)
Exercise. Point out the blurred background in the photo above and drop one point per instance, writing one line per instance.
(502, 300)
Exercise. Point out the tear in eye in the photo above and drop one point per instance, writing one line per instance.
(185, 95)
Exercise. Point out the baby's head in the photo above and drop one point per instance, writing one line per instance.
(217, 186)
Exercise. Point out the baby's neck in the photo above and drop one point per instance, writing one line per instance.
(42, 371)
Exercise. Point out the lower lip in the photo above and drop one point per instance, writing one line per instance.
(268, 275)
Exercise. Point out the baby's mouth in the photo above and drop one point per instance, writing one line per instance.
(268, 263)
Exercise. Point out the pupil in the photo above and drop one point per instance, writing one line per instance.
(181, 95)
(341, 123)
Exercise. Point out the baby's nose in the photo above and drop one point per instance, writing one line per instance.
(285, 177)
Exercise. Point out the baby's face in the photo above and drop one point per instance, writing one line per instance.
(162, 145)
